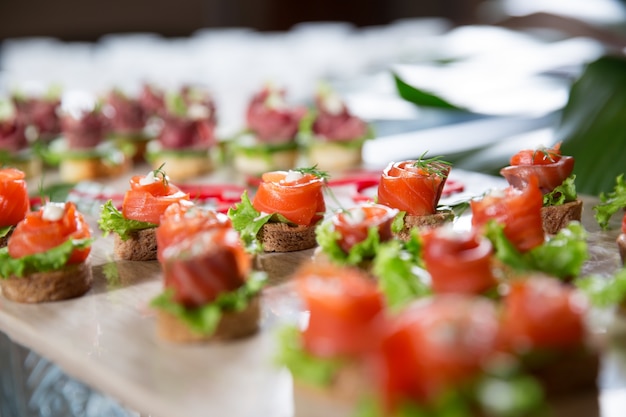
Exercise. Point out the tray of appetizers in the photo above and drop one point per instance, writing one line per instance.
(293, 291)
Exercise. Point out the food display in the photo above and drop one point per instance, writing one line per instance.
(134, 226)
(40, 112)
(334, 140)
(414, 187)
(46, 256)
(284, 213)
(186, 140)
(389, 303)
(556, 182)
(269, 141)
(211, 291)
(15, 149)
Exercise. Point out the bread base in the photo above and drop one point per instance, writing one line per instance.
(281, 237)
(428, 221)
(140, 246)
(259, 164)
(555, 218)
(332, 156)
(80, 169)
(71, 281)
(183, 166)
(232, 325)
(4, 240)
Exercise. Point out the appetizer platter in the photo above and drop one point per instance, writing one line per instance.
(111, 337)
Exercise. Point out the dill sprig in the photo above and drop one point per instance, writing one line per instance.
(315, 172)
(433, 166)
(160, 172)
(548, 154)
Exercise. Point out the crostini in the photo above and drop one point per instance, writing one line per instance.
(556, 182)
(333, 138)
(414, 187)
(81, 152)
(40, 112)
(46, 257)
(211, 292)
(15, 148)
(269, 142)
(14, 201)
(352, 236)
(127, 123)
(187, 139)
(284, 213)
(134, 227)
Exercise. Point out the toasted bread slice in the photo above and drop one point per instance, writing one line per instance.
(141, 246)
(621, 244)
(257, 164)
(80, 169)
(68, 282)
(334, 156)
(232, 325)
(557, 217)
(428, 221)
(183, 166)
(282, 237)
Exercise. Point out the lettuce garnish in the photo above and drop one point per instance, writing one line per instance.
(562, 194)
(561, 256)
(204, 320)
(248, 222)
(50, 260)
(112, 220)
(399, 269)
(328, 240)
(604, 291)
(5, 231)
(611, 203)
(304, 366)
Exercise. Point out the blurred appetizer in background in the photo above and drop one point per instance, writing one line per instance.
(556, 182)
(333, 137)
(15, 148)
(414, 187)
(46, 257)
(134, 227)
(211, 291)
(186, 140)
(611, 203)
(127, 123)
(284, 213)
(269, 140)
(82, 151)
(40, 112)
(14, 201)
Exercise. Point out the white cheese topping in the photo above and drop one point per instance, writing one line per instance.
(150, 178)
(333, 104)
(275, 101)
(355, 215)
(198, 112)
(292, 176)
(53, 212)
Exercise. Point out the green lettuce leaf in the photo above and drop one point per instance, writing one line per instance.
(5, 230)
(562, 194)
(561, 256)
(51, 260)
(604, 291)
(611, 203)
(112, 220)
(399, 267)
(328, 240)
(204, 320)
(303, 366)
(248, 222)
(398, 222)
